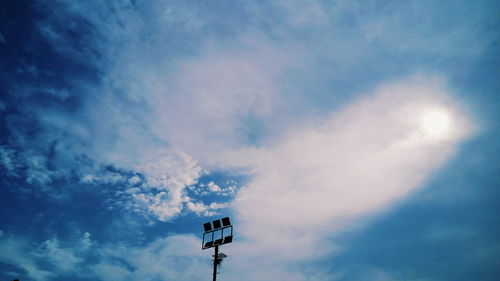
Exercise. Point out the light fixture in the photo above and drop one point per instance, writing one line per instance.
(216, 224)
(207, 226)
(226, 221)
(215, 235)
(219, 234)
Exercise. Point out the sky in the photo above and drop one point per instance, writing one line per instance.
(346, 140)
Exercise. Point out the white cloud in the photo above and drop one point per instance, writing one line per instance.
(18, 251)
(64, 259)
(101, 177)
(169, 118)
(9, 161)
(324, 175)
(205, 210)
(216, 94)
(228, 189)
(134, 180)
(177, 257)
(206, 105)
(166, 180)
(174, 171)
(213, 187)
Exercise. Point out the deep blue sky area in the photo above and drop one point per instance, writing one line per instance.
(347, 140)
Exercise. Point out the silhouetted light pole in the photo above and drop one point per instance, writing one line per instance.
(215, 236)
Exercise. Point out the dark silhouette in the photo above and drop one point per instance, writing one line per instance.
(217, 238)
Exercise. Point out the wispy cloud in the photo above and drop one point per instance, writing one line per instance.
(323, 176)
(175, 257)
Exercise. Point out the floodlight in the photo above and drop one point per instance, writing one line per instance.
(215, 237)
(228, 239)
(226, 221)
(208, 244)
(216, 224)
(207, 226)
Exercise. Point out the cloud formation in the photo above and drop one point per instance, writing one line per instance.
(325, 175)
(178, 96)
(176, 257)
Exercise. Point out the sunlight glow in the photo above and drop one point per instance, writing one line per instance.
(436, 123)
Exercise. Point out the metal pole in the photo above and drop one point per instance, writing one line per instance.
(216, 261)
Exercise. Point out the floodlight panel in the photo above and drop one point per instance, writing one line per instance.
(228, 239)
(207, 226)
(226, 221)
(216, 224)
(208, 245)
(218, 241)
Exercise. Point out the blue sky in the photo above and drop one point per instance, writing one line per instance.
(347, 140)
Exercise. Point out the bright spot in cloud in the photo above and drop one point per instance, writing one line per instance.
(436, 122)
(334, 173)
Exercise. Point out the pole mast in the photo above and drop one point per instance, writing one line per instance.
(216, 262)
